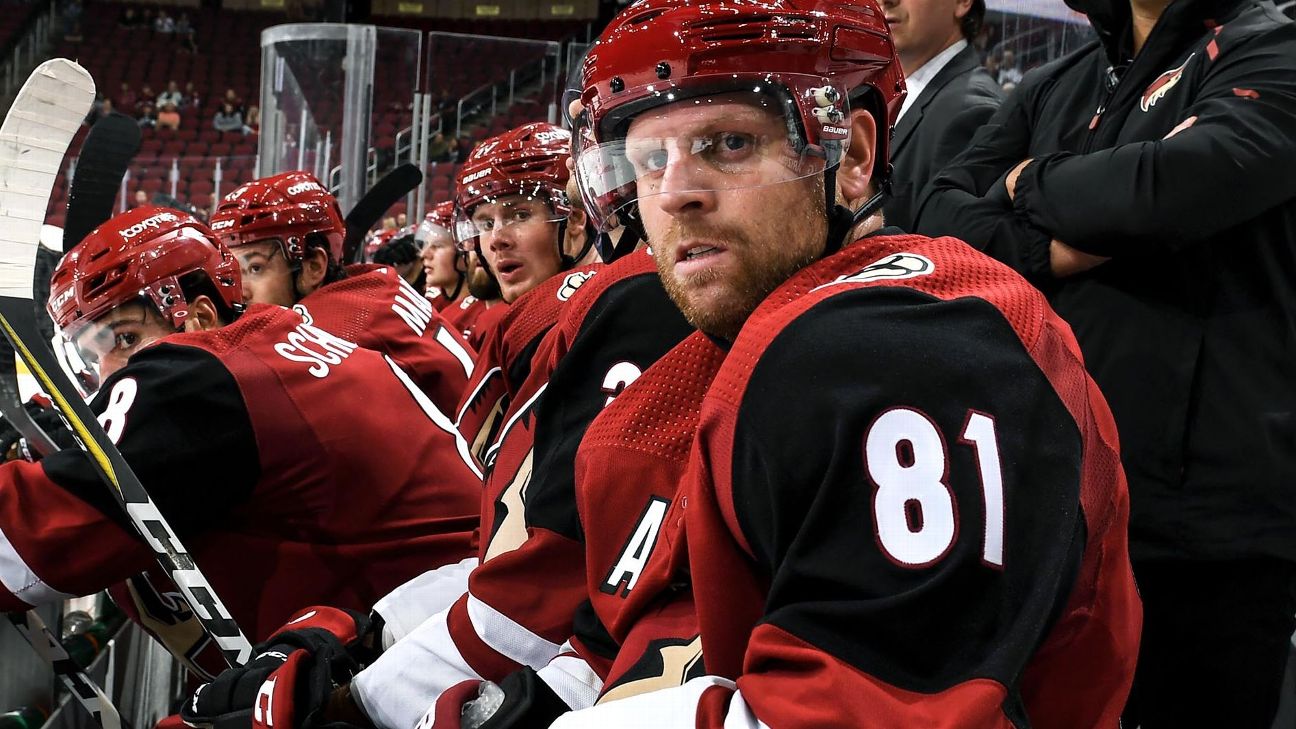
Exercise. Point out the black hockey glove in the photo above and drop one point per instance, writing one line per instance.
(13, 446)
(288, 683)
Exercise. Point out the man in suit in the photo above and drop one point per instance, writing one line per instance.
(950, 94)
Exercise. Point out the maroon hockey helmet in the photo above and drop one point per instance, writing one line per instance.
(140, 254)
(530, 161)
(286, 208)
(437, 222)
(809, 61)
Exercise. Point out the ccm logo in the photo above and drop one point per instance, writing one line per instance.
(61, 299)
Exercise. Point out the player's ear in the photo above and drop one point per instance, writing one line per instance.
(314, 268)
(855, 173)
(576, 232)
(203, 315)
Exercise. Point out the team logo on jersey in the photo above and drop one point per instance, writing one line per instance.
(572, 282)
(1162, 85)
(894, 267)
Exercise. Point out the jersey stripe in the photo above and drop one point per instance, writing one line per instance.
(21, 580)
(508, 637)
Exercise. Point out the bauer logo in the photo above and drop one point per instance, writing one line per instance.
(301, 187)
(152, 223)
(894, 267)
(476, 176)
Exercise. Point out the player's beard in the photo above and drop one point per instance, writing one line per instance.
(767, 252)
(482, 285)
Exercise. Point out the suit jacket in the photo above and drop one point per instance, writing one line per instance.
(938, 126)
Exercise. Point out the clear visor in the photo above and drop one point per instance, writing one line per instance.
(493, 216)
(713, 143)
(95, 348)
(429, 232)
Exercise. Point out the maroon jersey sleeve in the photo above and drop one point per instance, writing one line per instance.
(904, 508)
(378, 310)
(171, 407)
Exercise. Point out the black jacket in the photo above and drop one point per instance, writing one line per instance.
(954, 104)
(1181, 166)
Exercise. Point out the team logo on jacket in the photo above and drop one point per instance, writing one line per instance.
(1162, 85)
(893, 267)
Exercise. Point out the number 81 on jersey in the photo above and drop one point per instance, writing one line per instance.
(914, 510)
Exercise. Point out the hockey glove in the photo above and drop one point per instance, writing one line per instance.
(288, 683)
(12, 444)
(522, 700)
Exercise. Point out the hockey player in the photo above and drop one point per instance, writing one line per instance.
(612, 327)
(402, 253)
(904, 505)
(511, 209)
(300, 467)
(287, 234)
(482, 309)
(444, 266)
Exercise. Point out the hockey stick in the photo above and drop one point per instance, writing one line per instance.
(87, 692)
(26, 179)
(36, 133)
(106, 154)
(390, 189)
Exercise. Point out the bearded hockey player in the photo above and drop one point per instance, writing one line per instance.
(240, 428)
(904, 505)
(287, 234)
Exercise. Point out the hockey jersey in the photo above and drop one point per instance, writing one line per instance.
(298, 467)
(505, 361)
(523, 598)
(628, 470)
(439, 300)
(376, 308)
(904, 507)
(474, 319)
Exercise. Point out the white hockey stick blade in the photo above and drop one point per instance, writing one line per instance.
(87, 692)
(35, 135)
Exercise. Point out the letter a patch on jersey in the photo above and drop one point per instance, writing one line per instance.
(634, 555)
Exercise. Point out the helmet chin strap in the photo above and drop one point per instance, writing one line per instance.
(841, 220)
(568, 262)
